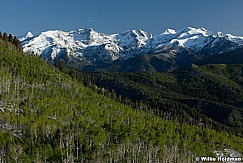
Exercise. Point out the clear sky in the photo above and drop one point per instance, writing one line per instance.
(112, 16)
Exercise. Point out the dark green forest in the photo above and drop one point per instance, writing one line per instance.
(50, 114)
(210, 95)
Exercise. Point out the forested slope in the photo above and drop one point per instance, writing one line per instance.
(46, 116)
(214, 91)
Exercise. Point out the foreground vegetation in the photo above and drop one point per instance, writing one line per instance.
(46, 116)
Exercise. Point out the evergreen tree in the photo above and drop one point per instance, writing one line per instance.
(5, 36)
(10, 38)
(61, 65)
(17, 43)
(73, 73)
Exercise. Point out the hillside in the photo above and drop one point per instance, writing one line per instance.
(46, 116)
(214, 91)
(232, 57)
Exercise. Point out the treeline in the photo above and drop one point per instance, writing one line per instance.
(11, 39)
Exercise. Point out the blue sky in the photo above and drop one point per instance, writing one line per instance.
(112, 16)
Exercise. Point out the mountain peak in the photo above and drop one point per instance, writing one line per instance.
(83, 30)
(196, 31)
(170, 31)
(220, 34)
(25, 36)
(29, 34)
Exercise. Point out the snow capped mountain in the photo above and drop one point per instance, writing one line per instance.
(26, 36)
(197, 39)
(87, 44)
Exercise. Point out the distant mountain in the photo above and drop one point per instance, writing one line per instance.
(87, 47)
(26, 36)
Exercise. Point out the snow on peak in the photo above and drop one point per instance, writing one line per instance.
(194, 38)
(220, 34)
(29, 34)
(135, 33)
(196, 31)
(132, 39)
(88, 42)
(89, 37)
(25, 36)
(170, 31)
(237, 39)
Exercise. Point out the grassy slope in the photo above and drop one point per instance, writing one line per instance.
(46, 116)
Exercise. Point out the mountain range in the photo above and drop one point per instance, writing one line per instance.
(87, 49)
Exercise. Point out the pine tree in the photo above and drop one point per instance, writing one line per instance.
(17, 43)
(10, 38)
(61, 65)
(5, 36)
